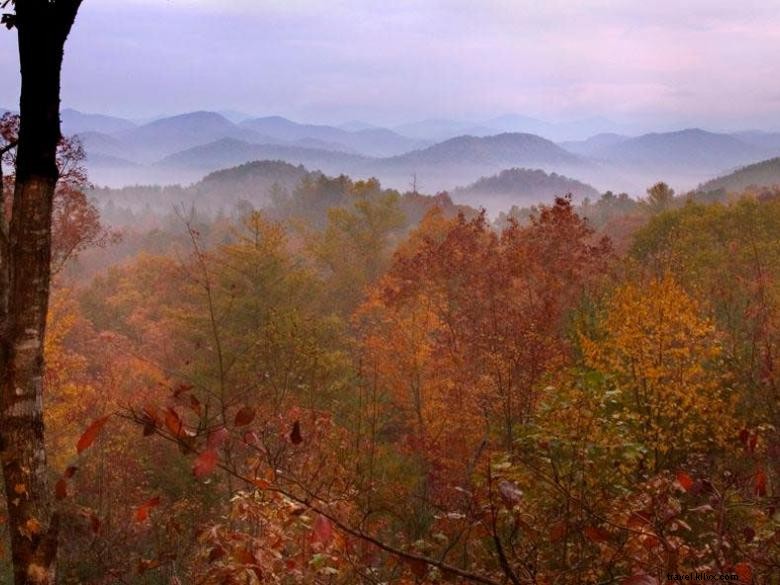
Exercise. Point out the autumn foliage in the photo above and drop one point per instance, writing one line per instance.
(448, 401)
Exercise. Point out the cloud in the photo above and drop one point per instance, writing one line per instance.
(706, 60)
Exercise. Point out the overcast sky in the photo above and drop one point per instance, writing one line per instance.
(714, 63)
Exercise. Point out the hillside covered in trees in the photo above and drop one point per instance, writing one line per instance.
(282, 404)
(521, 187)
(765, 174)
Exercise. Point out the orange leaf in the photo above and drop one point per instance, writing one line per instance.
(151, 411)
(685, 480)
(173, 422)
(244, 416)
(205, 463)
(142, 511)
(31, 528)
(147, 565)
(243, 556)
(91, 433)
(261, 483)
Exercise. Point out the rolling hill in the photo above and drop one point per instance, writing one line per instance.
(502, 149)
(175, 134)
(763, 174)
(692, 148)
(252, 182)
(521, 187)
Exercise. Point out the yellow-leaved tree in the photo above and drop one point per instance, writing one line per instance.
(660, 356)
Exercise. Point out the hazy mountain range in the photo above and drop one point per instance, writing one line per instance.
(436, 154)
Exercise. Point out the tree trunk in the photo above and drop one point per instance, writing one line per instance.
(43, 26)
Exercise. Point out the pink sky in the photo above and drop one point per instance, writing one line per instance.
(712, 63)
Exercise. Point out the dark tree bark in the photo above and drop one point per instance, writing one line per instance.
(25, 257)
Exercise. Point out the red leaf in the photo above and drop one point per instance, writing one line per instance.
(216, 553)
(217, 438)
(685, 480)
(419, 568)
(295, 435)
(149, 426)
(650, 542)
(244, 556)
(244, 416)
(760, 483)
(70, 472)
(322, 530)
(557, 531)
(596, 534)
(205, 463)
(91, 433)
(744, 571)
(142, 511)
(94, 523)
(182, 389)
(61, 489)
(196, 406)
